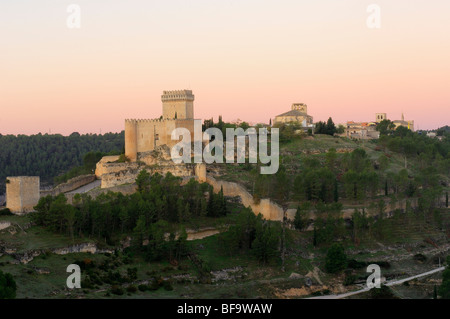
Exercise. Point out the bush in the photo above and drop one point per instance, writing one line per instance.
(382, 293)
(131, 289)
(5, 212)
(7, 286)
(167, 285)
(382, 264)
(336, 260)
(354, 264)
(154, 285)
(143, 288)
(117, 290)
(349, 280)
(87, 283)
(420, 257)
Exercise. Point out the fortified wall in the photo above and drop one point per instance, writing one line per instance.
(70, 185)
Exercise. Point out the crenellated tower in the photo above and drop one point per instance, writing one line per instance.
(178, 104)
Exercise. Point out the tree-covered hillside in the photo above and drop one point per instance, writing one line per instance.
(48, 156)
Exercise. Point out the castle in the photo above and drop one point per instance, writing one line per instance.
(143, 135)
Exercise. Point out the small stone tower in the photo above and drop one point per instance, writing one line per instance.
(22, 193)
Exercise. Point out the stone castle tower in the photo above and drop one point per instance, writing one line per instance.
(143, 135)
(178, 104)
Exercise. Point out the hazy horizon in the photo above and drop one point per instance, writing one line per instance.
(242, 59)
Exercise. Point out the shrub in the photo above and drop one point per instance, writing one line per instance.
(7, 286)
(131, 289)
(154, 285)
(354, 264)
(143, 288)
(336, 260)
(382, 293)
(117, 290)
(167, 285)
(349, 280)
(420, 257)
(5, 212)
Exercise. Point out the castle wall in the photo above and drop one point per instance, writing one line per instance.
(265, 207)
(131, 139)
(70, 185)
(22, 193)
(140, 134)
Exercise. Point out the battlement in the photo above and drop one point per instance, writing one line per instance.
(177, 95)
(22, 178)
(133, 121)
(158, 120)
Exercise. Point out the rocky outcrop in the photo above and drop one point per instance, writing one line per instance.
(113, 173)
(4, 225)
(27, 256)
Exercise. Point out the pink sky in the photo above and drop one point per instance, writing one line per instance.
(243, 59)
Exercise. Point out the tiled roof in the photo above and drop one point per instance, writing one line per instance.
(294, 113)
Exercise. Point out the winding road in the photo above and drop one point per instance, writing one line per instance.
(387, 283)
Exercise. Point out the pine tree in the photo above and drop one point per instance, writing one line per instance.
(446, 199)
(386, 189)
(336, 191)
(314, 237)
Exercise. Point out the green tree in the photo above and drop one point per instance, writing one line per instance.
(143, 181)
(336, 259)
(444, 289)
(7, 286)
(266, 243)
(300, 220)
(330, 128)
(385, 127)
